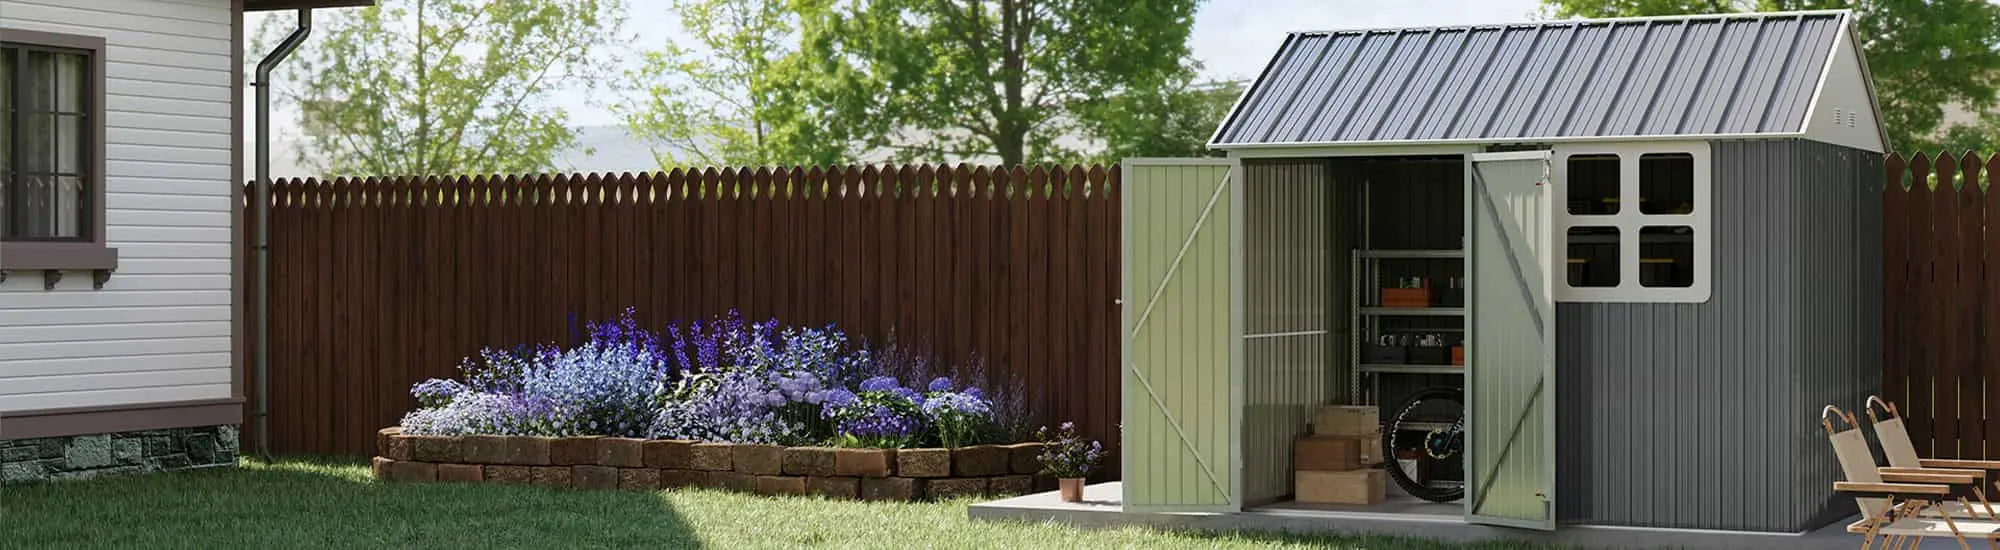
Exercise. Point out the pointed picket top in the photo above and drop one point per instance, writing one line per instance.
(871, 181)
(1038, 182)
(801, 188)
(323, 192)
(1920, 168)
(1946, 169)
(1898, 170)
(1993, 169)
(1968, 172)
(979, 183)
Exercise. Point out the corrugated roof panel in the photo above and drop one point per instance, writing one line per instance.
(1738, 74)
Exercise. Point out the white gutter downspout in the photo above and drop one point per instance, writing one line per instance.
(261, 226)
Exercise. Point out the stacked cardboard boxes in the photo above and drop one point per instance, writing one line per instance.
(1335, 465)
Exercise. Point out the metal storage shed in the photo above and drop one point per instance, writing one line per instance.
(1655, 366)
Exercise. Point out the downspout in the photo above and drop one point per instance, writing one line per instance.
(261, 227)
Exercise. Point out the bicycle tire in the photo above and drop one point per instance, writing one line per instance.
(1419, 490)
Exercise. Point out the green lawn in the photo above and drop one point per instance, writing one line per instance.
(333, 504)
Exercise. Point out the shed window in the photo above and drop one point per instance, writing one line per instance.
(51, 152)
(1657, 252)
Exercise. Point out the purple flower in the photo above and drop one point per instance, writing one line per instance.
(940, 384)
(437, 392)
(879, 383)
(839, 397)
(974, 392)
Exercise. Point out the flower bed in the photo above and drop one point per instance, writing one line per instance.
(594, 462)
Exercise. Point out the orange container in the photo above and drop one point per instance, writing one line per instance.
(1406, 297)
(1458, 355)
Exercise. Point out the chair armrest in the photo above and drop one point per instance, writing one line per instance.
(1891, 488)
(1980, 474)
(1966, 464)
(1929, 477)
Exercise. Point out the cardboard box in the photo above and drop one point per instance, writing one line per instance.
(1337, 453)
(1406, 297)
(1350, 487)
(1346, 420)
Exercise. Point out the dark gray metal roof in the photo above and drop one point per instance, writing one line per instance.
(1681, 76)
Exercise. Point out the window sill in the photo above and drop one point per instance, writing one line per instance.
(53, 258)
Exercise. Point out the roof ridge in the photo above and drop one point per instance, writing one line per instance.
(1583, 22)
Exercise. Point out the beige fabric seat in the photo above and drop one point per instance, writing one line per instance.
(1894, 511)
(1894, 436)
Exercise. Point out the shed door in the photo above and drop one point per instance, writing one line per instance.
(1178, 223)
(1510, 383)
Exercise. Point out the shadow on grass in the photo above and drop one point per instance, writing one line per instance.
(327, 503)
(1368, 542)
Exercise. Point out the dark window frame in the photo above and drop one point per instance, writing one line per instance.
(89, 252)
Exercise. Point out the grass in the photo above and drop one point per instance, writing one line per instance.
(308, 503)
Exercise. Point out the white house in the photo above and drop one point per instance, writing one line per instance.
(121, 145)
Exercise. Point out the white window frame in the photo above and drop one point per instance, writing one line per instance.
(1629, 220)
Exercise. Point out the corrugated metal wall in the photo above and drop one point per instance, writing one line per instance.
(1702, 415)
(1297, 228)
(1177, 226)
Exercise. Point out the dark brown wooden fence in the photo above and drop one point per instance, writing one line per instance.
(1941, 250)
(380, 283)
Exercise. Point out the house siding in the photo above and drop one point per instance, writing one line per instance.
(1704, 415)
(159, 331)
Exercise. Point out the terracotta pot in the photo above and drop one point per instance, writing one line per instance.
(1072, 489)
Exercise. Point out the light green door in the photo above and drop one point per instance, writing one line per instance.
(1510, 380)
(1181, 310)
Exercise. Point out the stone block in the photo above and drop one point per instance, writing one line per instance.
(399, 448)
(202, 449)
(892, 488)
(923, 462)
(980, 461)
(461, 472)
(956, 487)
(592, 476)
(622, 452)
(781, 485)
(731, 481)
(528, 450)
(485, 449)
(864, 462)
(382, 439)
(808, 461)
(380, 468)
(639, 479)
(429, 448)
(714, 457)
(846, 488)
(509, 474)
(1018, 484)
(407, 471)
(550, 476)
(90, 451)
(1024, 458)
(667, 453)
(571, 451)
(17, 453)
(128, 450)
(14, 472)
(679, 478)
(761, 460)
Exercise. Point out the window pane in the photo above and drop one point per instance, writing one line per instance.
(6, 117)
(49, 207)
(69, 82)
(38, 142)
(69, 144)
(41, 84)
(1666, 256)
(1593, 257)
(1666, 183)
(1593, 184)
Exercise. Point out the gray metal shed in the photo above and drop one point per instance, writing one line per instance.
(1666, 229)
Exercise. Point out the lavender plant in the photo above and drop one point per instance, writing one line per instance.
(881, 414)
(754, 383)
(1068, 455)
(958, 417)
(608, 385)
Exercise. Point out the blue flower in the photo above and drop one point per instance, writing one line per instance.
(879, 383)
(839, 397)
(940, 384)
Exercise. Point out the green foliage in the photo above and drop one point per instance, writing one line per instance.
(1171, 119)
(938, 80)
(729, 97)
(441, 86)
(1924, 54)
(1982, 135)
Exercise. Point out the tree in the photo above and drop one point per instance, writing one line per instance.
(1924, 54)
(442, 86)
(730, 97)
(1173, 119)
(943, 79)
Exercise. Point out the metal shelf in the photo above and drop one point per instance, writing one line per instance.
(1414, 311)
(1393, 254)
(1423, 426)
(1413, 369)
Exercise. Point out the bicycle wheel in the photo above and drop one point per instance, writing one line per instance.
(1431, 424)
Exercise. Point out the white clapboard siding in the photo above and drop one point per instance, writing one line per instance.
(159, 331)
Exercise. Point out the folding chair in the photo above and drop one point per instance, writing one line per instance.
(1969, 475)
(1897, 523)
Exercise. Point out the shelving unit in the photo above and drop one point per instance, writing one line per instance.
(1371, 320)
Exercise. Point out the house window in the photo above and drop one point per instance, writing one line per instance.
(1636, 226)
(51, 152)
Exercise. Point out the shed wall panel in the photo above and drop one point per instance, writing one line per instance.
(1703, 415)
(159, 329)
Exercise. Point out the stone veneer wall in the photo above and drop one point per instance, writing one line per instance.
(82, 456)
(651, 464)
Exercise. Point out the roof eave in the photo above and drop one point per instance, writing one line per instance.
(1505, 140)
(270, 5)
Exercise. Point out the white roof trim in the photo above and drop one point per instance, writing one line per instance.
(1500, 141)
(1845, 13)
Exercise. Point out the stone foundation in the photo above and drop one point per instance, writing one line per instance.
(650, 465)
(82, 456)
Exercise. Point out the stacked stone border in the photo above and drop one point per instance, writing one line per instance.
(653, 464)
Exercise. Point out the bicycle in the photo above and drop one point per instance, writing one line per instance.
(1438, 413)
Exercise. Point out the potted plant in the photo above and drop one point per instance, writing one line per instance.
(1070, 458)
